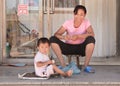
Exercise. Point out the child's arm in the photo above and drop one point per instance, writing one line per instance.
(39, 64)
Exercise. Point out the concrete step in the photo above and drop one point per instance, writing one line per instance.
(62, 84)
(103, 76)
(94, 61)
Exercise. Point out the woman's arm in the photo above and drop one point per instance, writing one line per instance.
(89, 32)
(39, 64)
(60, 32)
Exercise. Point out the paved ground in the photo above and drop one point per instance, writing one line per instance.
(106, 74)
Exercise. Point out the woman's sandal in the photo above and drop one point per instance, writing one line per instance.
(89, 69)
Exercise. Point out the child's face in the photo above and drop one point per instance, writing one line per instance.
(44, 48)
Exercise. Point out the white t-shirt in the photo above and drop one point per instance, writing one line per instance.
(43, 70)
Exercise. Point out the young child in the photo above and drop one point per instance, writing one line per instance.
(44, 67)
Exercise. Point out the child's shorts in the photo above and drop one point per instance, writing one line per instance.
(48, 71)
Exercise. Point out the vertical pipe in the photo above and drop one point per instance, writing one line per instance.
(3, 32)
(40, 18)
(48, 19)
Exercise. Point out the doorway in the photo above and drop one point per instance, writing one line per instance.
(43, 19)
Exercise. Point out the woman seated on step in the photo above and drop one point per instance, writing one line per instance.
(79, 38)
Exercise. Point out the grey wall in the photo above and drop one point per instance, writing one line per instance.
(0, 31)
(102, 15)
(118, 26)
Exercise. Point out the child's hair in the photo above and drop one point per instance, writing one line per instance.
(43, 40)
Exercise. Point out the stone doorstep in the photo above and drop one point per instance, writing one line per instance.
(94, 60)
(14, 81)
(42, 83)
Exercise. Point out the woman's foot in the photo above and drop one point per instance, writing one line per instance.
(69, 73)
(89, 69)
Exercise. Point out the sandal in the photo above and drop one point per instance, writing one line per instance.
(89, 69)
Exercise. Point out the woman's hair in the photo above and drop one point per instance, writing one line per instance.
(43, 40)
(79, 7)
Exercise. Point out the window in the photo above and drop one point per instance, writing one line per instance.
(66, 3)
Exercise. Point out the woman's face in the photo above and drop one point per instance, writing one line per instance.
(80, 15)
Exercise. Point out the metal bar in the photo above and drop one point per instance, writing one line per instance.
(52, 6)
(41, 3)
(44, 6)
(18, 22)
(48, 19)
(24, 26)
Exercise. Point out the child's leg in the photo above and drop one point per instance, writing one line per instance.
(49, 70)
(68, 73)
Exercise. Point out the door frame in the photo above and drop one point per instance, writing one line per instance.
(2, 31)
(3, 57)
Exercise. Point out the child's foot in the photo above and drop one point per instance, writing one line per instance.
(69, 73)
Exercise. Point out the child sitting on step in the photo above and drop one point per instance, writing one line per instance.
(44, 67)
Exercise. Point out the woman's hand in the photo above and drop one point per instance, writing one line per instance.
(74, 37)
(67, 37)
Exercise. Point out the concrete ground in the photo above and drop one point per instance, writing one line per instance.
(104, 76)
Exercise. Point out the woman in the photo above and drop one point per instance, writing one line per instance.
(79, 37)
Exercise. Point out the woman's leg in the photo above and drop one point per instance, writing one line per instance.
(58, 53)
(89, 49)
(89, 52)
(68, 73)
(55, 45)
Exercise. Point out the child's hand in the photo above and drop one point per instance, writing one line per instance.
(49, 62)
(53, 61)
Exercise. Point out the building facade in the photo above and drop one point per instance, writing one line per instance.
(19, 29)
